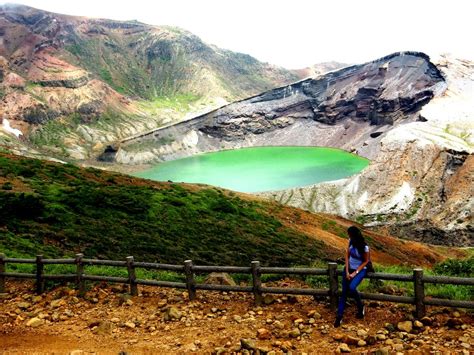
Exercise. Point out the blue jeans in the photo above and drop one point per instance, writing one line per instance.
(350, 287)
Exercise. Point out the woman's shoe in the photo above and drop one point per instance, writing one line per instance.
(361, 314)
(338, 322)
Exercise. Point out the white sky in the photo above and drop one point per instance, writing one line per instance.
(298, 33)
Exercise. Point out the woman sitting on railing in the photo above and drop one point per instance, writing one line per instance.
(357, 258)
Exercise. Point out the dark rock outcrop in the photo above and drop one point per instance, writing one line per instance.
(70, 83)
(380, 92)
(108, 155)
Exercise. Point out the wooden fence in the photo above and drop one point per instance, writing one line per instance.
(189, 270)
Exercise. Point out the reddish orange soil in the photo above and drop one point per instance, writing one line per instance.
(208, 323)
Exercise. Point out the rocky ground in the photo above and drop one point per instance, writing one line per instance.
(108, 320)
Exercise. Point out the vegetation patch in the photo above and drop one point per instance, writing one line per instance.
(74, 210)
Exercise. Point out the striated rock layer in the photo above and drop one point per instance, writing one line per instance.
(350, 108)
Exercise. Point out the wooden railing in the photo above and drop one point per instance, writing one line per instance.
(189, 270)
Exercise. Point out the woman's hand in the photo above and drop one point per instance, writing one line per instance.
(351, 276)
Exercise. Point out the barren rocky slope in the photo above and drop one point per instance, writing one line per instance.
(421, 183)
(349, 108)
(72, 84)
(108, 321)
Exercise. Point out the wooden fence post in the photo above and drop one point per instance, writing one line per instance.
(190, 283)
(333, 285)
(2, 269)
(39, 274)
(419, 289)
(257, 282)
(80, 283)
(131, 276)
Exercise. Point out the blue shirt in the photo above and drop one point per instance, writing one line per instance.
(355, 259)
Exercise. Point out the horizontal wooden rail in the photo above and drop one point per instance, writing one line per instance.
(161, 283)
(59, 277)
(103, 262)
(449, 280)
(19, 261)
(389, 277)
(167, 267)
(18, 275)
(293, 271)
(227, 269)
(122, 280)
(225, 288)
(59, 261)
(255, 270)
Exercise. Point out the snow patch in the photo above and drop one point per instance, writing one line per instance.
(6, 126)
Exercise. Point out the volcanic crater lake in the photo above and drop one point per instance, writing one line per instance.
(261, 168)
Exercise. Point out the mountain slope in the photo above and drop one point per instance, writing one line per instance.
(59, 209)
(349, 108)
(412, 118)
(73, 84)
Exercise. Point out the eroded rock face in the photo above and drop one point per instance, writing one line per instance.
(420, 184)
(379, 92)
(343, 109)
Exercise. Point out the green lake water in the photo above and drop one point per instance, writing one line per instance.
(261, 168)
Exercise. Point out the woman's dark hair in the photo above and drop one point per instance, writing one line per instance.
(356, 239)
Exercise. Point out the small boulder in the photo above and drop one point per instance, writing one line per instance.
(406, 326)
(382, 351)
(57, 303)
(248, 344)
(237, 318)
(130, 325)
(268, 299)
(23, 305)
(344, 348)
(361, 343)
(219, 278)
(371, 339)
(362, 333)
(350, 340)
(418, 324)
(34, 322)
(295, 333)
(104, 328)
(427, 320)
(263, 334)
(454, 322)
(172, 313)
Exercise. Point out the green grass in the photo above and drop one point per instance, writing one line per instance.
(178, 102)
(66, 210)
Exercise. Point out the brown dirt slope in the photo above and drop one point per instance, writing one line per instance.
(107, 321)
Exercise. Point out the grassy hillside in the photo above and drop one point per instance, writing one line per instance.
(152, 62)
(60, 209)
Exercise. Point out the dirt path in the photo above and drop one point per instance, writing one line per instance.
(108, 322)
